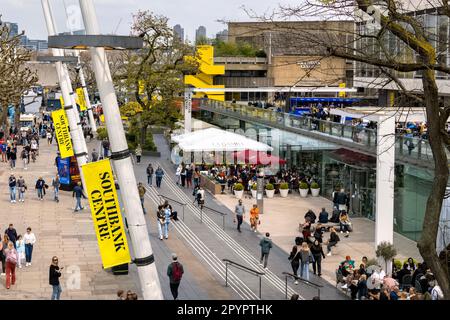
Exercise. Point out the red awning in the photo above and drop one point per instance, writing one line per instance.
(257, 157)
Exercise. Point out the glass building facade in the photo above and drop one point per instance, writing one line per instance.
(336, 167)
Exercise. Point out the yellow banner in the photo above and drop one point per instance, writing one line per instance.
(342, 94)
(62, 133)
(81, 99)
(62, 101)
(105, 208)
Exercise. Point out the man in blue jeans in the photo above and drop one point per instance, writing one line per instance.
(12, 188)
(78, 193)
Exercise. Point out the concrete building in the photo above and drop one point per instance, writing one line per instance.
(293, 57)
(370, 78)
(200, 34)
(222, 35)
(178, 32)
(13, 28)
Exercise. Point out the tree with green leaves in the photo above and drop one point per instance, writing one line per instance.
(154, 74)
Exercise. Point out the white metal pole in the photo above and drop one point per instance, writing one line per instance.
(123, 166)
(86, 95)
(79, 143)
(187, 110)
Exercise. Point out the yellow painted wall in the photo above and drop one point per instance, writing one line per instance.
(207, 68)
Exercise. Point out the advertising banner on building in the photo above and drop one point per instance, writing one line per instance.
(62, 133)
(81, 99)
(105, 208)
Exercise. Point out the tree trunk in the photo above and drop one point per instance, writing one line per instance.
(5, 123)
(143, 135)
(17, 116)
(427, 242)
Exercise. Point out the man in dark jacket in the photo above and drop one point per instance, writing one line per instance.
(150, 172)
(175, 272)
(40, 185)
(12, 234)
(341, 199)
(323, 216)
(266, 245)
(78, 193)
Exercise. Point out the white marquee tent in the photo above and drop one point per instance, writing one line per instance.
(213, 139)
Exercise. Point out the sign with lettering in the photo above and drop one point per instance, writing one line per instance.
(62, 133)
(308, 64)
(81, 99)
(105, 208)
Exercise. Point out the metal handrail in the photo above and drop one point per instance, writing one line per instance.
(182, 204)
(214, 211)
(297, 278)
(243, 268)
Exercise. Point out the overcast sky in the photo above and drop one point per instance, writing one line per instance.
(117, 14)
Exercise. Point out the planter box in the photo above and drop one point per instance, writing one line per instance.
(304, 192)
(254, 192)
(210, 185)
(284, 193)
(239, 194)
(270, 193)
(315, 192)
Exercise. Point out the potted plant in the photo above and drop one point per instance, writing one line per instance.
(284, 190)
(315, 189)
(270, 190)
(238, 190)
(303, 189)
(254, 190)
(387, 252)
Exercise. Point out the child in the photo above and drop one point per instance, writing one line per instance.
(20, 245)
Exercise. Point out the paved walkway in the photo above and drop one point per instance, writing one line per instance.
(210, 243)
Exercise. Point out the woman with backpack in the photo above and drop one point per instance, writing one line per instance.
(11, 261)
(295, 256)
(306, 258)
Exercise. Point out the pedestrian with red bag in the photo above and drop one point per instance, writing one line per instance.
(175, 272)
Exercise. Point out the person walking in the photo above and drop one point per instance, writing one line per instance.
(178, 174)
(318, 255)
(306, 258)
(20, 247)
(94, 155)
(12, 188)
(294, 257)
(334, 239)
(11, 262)
(183, 175)
(175, 273)
(30, 239)
(159, 173)
(150, 172)
(254, 217)
(4, 245)
(189, 173)
(56, 184)
(78, 194)
(138, 152)
(105, 145)
(239, 211)
(54, 275)
(200, 196)
(12, 234)
(142, 192)
(13, 158)
(40, 185)
(161, 220)
(196, 176)
(266, 245)
(22, 187)
(24, 156)
(167, 215)
(49, 137)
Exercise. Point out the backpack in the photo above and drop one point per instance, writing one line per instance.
(176, 272)
(12, 257)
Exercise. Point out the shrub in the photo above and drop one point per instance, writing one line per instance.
(315, 185)
(102, 133)
(303, 185)
(270, 186)
(238, 187)
(386, 251)
(398, 264)
(372, 262)
(284, 186)
(255, 186)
